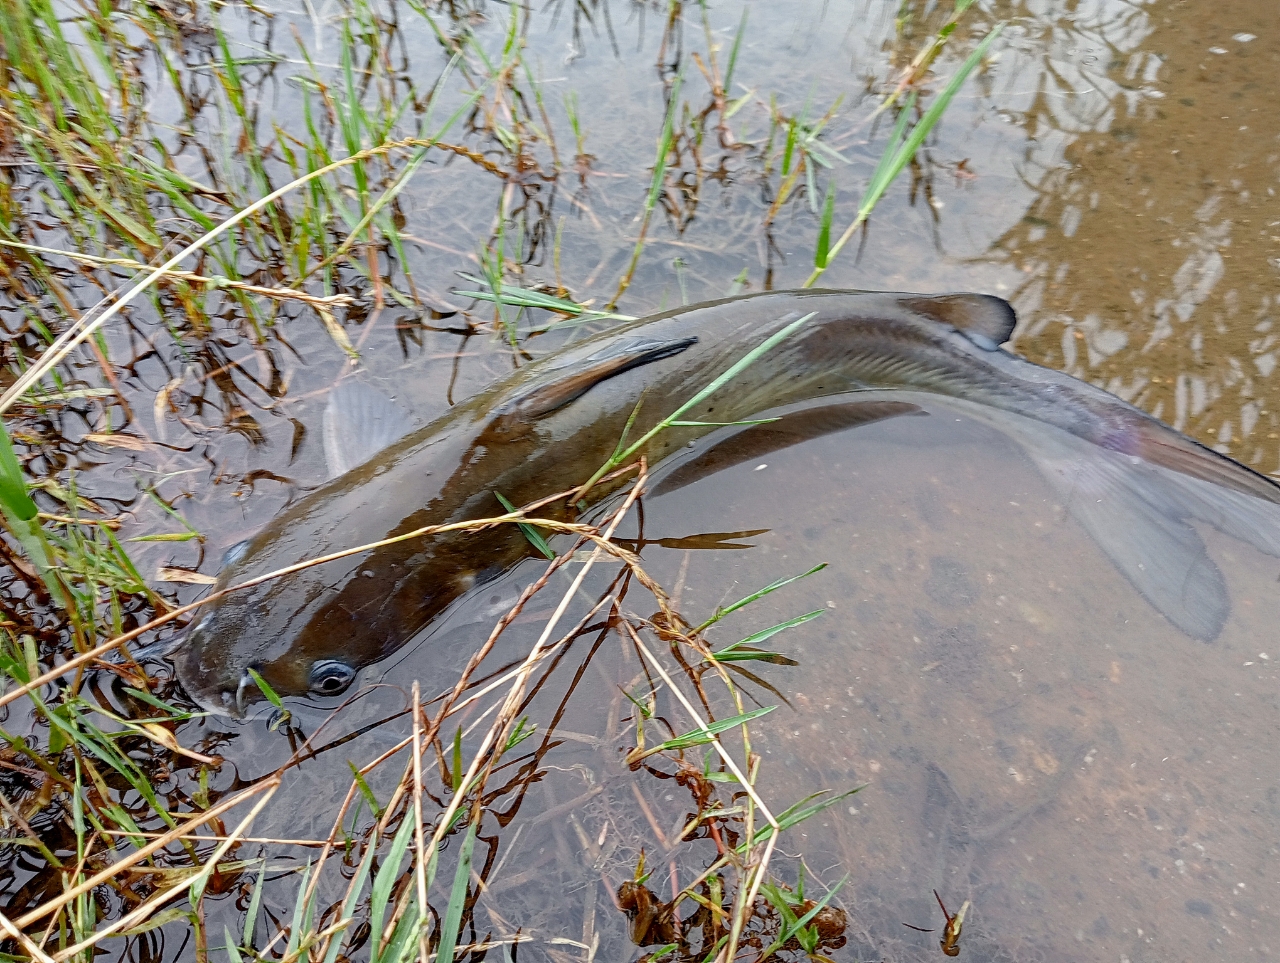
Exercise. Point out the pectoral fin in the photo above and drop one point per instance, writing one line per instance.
(359, 421)
(789, 429)
(566, 382)
(1137, 516)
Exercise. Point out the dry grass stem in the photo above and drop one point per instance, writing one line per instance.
(148, 908)
(501, 725)
(159, 843)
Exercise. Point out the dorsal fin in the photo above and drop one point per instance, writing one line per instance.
(572, 379)
(359, 422)
(984, 319)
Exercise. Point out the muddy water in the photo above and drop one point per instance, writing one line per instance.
(1030, 734)
(1152, 244)
(1113, 171)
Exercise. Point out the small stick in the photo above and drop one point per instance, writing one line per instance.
(417, 818)
(24, 941)
(139, 855)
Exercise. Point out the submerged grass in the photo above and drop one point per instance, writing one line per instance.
(143, 249)
(902, 145)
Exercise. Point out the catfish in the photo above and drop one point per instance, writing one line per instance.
(1134, 483)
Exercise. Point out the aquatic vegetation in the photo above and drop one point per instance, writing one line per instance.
(899, 152)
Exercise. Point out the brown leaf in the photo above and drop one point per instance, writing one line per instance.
(118, 440)
(166, 574)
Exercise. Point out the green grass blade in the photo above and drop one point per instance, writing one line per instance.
(881, 178)
(771, 587)
(700, 737)
(13, 487)
(733, 53)
(255, 901)
(349, 904)
(798, 813)
(737, 368)
(823, 249)
(750, 654)
(664, 144)
(385, 881)
(795, 925)
(229, 946)
(302, 913)
(523, 297)
(533, 536)
(764, 634)
(930, 119)
(896, 157)
(403, 945)
(365, 791)
(457, 898)
(270, 693)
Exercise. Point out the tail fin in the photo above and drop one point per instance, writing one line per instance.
(1138, 513)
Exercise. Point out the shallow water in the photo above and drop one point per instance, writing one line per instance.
(1028, 734)
(1031, 735)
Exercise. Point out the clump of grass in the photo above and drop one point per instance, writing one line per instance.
(395, 912)
(900, 149)
(803, 153)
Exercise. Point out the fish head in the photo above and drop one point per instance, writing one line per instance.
(225, 655)
(281, 636)
(308, 633)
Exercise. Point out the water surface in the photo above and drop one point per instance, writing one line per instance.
(1030, 734)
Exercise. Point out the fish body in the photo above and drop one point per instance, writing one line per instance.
(551, 424)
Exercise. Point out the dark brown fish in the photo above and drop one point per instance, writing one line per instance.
(1132, 481)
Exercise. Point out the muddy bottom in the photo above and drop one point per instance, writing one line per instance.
(1032, 735)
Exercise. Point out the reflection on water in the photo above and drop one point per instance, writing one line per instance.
(1032, 736)
(1150, 246)
(1087, 172)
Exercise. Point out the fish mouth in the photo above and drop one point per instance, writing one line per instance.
(246, 680)
(224, 701)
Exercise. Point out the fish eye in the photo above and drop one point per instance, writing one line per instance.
(329, 677)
